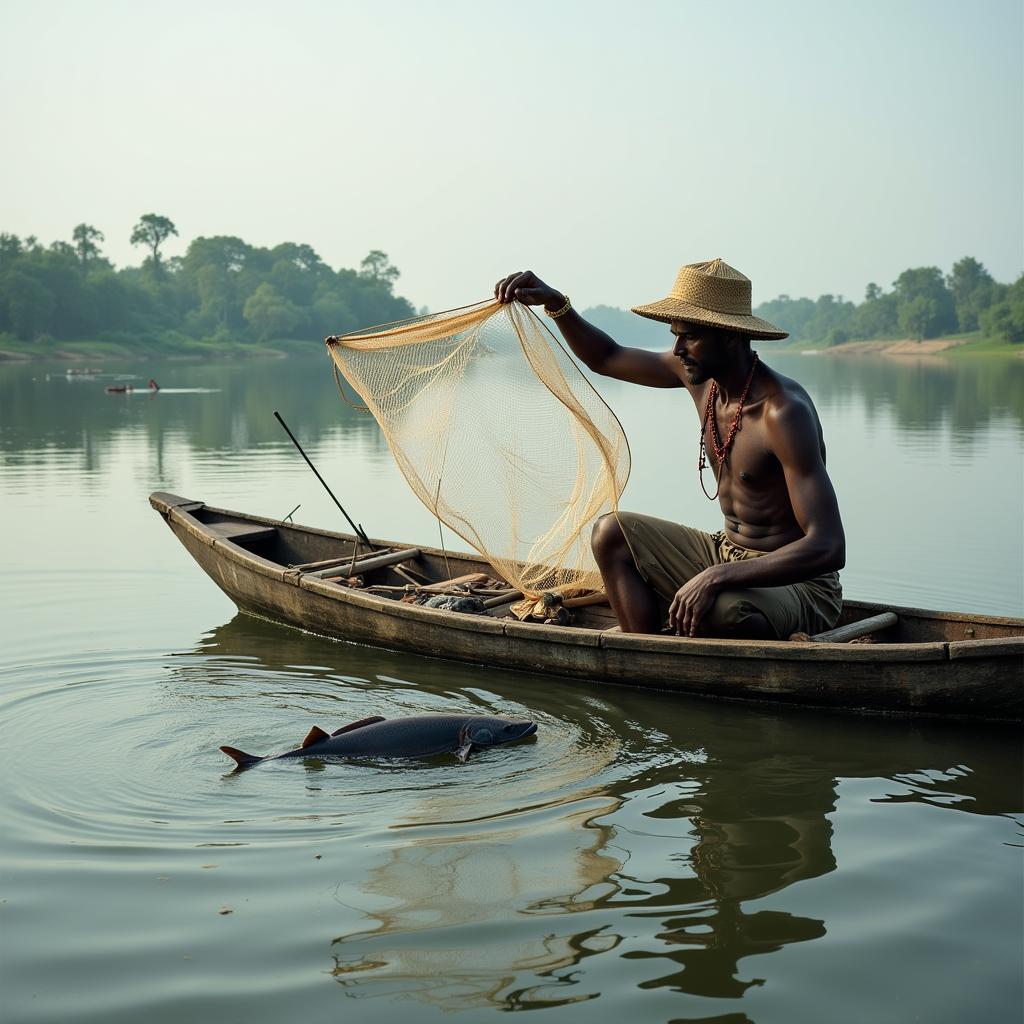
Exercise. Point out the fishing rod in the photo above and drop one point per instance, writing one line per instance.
(358, 529)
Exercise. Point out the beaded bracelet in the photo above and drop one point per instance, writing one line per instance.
(555, 314)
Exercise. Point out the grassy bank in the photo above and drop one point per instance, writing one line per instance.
(958, 346)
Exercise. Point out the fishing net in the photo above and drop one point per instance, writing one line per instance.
(499, 434)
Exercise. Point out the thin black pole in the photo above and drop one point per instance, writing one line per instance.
(358, 529)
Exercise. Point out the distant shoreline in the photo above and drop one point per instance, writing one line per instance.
(79, 352)
(908, 348)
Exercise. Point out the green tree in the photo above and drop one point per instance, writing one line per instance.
(152, 231)
(973, 291)
(924, 304)
(1005, 318)
(792, 315)
(830, 313)
(303, 256)
(213, 272)
(918, 316)
(331, 314)
(271, 315)
(10, 248)
(29, 304)
(86, 240)
(377, 267)
(876, 316)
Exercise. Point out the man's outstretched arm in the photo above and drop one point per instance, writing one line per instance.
(590, 344)
(793, 438)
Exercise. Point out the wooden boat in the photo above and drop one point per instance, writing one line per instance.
(938, 664)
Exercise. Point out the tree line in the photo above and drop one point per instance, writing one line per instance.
(923, 303)
(221, 290)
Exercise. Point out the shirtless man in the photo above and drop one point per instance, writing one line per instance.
(773, 570)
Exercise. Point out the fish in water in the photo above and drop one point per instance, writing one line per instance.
(415, 736)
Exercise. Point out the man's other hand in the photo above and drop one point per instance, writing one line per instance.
(693, 601)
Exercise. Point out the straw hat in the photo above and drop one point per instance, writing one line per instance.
(715, 294)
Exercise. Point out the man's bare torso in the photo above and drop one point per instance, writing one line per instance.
(753, 494)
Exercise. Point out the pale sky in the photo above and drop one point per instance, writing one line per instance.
(815, 146)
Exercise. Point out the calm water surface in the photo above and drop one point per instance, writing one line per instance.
(646, 858)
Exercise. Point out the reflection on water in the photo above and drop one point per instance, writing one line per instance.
(644, 836)
(965, 395)
(41, 407)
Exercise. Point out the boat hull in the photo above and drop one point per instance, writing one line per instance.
(978, 676)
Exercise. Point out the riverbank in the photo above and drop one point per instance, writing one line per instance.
(954, 346)
(96, 352)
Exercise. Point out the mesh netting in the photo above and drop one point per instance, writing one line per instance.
(499, 434)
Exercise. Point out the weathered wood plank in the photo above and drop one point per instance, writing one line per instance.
(236, 532)
(1001, 647)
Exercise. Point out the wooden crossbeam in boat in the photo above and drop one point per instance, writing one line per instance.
(330, 563)
(407, 576)
(855, 630)
(367, 564)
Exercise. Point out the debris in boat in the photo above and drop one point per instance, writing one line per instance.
(548, 609)
(474, 594)
(355, 582)
(415, 736)
(457, 603)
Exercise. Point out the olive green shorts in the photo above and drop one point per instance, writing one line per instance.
(667, 555)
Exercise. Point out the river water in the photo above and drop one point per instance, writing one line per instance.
(646, 858)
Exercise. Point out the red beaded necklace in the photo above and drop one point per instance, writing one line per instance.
(721, 450)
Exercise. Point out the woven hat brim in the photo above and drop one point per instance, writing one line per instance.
(670, 309)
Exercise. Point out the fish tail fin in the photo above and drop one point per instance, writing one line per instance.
(241, 758)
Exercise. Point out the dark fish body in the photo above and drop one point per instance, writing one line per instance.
(415, 736)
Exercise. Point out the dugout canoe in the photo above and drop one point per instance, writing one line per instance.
(927, 663)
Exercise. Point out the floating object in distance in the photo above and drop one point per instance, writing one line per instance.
(124, 389)
(415, 736)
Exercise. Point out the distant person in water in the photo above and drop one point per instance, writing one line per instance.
(773, 570)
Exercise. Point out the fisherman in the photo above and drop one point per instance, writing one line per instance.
(773, 569)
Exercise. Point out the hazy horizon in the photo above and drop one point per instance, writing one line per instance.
(816, 149)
